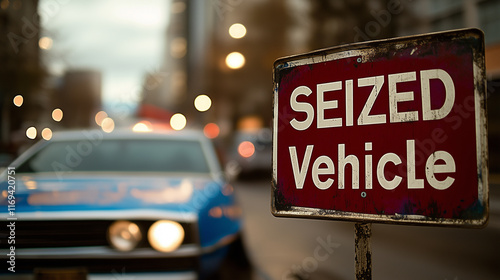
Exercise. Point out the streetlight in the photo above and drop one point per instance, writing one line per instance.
(235, 60)
(45, 43)
(31, 132)
(99, 117)
(108, 125)
(202, 103)
(237, 31)
(57, 115)
(178, 121)
(18, 100)
(47, 133)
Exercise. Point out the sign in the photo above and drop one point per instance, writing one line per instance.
(387, 131)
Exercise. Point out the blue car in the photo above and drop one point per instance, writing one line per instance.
(120, 205)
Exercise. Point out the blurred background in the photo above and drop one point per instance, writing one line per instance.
(67, 64)
(64, 61)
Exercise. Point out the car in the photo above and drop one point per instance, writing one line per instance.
(250, 153)
(123, 204)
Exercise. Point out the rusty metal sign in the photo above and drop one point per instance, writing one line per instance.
(389, 131)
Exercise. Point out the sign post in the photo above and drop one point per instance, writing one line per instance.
(363, 251)
(391, 131)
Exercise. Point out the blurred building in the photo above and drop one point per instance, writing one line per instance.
(199, 44)
(183, 73)
(21, 72)
(483, 14)
(453, 14)
(201, 52)
(168, 91)
(79, 97)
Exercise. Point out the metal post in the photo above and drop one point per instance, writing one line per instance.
(363, 251)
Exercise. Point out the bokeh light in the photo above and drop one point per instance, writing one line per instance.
(99, 117)
(165, 236)
(246, 149)
(18, 100)
(45, 43)
(31, 132)
(178, 121)
(211, 130)
(57, 114)
(178, 47)
(108, 125)
(47, 133)
(235, 60)
(237, 31)
(143, 126)
(250, 123)
(30, 184)
(202, 103)
(178, 7)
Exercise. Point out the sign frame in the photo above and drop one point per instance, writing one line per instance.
(279, 208)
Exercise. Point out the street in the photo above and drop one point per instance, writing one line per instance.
(288, 248)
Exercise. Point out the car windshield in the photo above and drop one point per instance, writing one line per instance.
(119, 156)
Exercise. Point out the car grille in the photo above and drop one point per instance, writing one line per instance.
(56, 234)
(91, 233)
(47, 234)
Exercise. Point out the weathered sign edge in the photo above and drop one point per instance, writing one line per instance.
(349, 50)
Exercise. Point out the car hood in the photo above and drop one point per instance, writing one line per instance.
(109, 192)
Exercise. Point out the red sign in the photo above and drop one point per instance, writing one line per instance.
(385, 131)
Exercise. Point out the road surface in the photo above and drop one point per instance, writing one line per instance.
(289, 248)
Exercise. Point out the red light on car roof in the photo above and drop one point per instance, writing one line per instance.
(211, 130)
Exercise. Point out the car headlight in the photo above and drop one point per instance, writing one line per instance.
(124, 235)
(165, 236)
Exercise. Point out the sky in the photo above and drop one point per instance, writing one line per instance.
(123, 39)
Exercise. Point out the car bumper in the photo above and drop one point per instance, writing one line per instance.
(100, 263)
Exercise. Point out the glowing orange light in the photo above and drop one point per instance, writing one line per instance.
(99, 117)
(211, 130)
(216, 212)
(57, 115)
(47, 133)
(18, 100)
(45, 43)
(250, 124)
(108, 125)
(246, 149)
